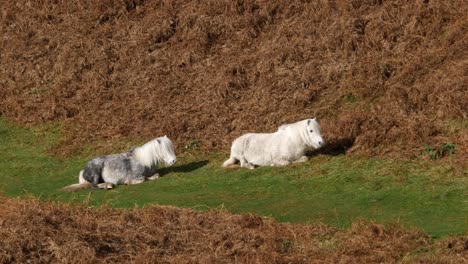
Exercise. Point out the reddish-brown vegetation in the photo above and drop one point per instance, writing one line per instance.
(384, 77)
(45, 232)
(388, 77)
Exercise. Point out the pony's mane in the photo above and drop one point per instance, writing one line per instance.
(153, 152)
(296, 124)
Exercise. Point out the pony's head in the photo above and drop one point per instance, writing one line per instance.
(313, 134)
(155, 151)
(167, 150)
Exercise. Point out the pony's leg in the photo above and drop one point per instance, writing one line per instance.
(245, 164)
(154, 177)
(105, 185)
(135, 181)
(95, 176)
(302, 159)
(281, 163)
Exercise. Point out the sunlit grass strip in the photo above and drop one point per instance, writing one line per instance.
(331, 189)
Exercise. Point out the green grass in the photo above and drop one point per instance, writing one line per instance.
(331, 189)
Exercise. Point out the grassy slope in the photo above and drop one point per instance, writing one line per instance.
(331, 189)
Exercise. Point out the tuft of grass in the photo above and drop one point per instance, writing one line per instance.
(192, 145)
(286, 245)
(331, 189)
(348, 98)
(446, 149)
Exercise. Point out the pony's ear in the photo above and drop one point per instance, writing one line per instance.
(159, 141)
(308, 121)
(315, 118)
(165, 136)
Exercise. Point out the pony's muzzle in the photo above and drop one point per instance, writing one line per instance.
(171, 162)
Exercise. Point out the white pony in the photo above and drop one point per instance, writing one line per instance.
(288, 144)
(133, 167)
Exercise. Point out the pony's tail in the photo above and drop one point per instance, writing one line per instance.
(230, 162)
(82, 184)
(75, 187)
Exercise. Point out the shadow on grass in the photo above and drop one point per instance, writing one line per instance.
(334, 147)
(189, 167)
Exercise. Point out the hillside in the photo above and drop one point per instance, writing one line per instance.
(384, 77)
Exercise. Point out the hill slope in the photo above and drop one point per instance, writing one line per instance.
(384, 77)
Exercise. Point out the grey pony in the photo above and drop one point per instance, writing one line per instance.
(132, 167)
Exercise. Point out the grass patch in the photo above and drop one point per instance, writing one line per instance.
(331, 189)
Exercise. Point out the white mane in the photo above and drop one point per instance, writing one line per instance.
(153, 152)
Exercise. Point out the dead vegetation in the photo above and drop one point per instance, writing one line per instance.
(49, 232)
(385, 78)
(389, 76)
